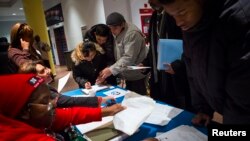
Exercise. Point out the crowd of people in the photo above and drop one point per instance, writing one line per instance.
(211, 76)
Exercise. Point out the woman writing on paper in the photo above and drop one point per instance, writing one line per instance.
(89, 60)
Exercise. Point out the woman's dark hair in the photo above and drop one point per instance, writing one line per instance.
(88, 47)
(102, 30)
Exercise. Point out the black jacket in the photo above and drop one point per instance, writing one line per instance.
(217, 56)
(108, 47)
(172, 89)
(89, 71)
(68, 101)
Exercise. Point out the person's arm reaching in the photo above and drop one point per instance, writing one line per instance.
(65, 117)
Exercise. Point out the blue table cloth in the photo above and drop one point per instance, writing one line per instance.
(149, 130)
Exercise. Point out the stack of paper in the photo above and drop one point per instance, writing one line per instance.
(169, 50)
(162, 114)
(84, 128)
(117, 92)
(62, 82)
(137, 67)
(95, 88)
(137, 110)
(183, 133)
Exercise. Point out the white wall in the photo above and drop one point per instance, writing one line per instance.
(135, 6)
(121, 6)
(78, 13)
(128, 8)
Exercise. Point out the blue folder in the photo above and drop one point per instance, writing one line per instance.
(169, 50)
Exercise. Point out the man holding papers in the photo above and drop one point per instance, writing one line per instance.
(171, 86)
(217, 55)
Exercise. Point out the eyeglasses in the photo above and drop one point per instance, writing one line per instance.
(40, 110)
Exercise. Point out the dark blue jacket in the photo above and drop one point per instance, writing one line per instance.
(217, 56)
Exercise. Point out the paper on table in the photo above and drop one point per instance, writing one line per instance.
(169, 50)
(183, 133)
(82, 95)
(84, 128)
(95, 88)
(162, 114)
(62, 81)
(137, 67)
(137, 110)
(117, 92)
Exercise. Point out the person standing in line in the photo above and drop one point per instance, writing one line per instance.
(170, 85)
(102, 35)
(130, 49)
(43, 49)
(216, 51)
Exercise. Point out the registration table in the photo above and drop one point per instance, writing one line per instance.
(149, 130)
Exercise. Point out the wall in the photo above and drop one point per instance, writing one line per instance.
(128, 8)
(135, 6)
(6, 27)
(121, 6)
(80, 13)
(50, 3)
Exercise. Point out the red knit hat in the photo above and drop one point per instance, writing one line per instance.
(15, 90)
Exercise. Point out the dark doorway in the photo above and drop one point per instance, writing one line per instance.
(61, 44)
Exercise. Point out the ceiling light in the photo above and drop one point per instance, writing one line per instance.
(20, 8)
(13, 14)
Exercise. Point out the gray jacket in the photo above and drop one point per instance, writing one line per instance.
(130, 49)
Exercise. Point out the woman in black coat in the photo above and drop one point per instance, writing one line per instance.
(89, 59)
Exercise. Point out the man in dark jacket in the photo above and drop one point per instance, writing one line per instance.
(102, 35)
(216, 48)
(170, 87)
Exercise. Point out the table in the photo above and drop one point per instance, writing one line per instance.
(149, 130)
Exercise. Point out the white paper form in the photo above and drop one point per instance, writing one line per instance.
(116, 92)
(137, 110)
(162, 114)
(84, 128)
(62, 81)
(137, 67)
(95, 88)
(183, 133)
